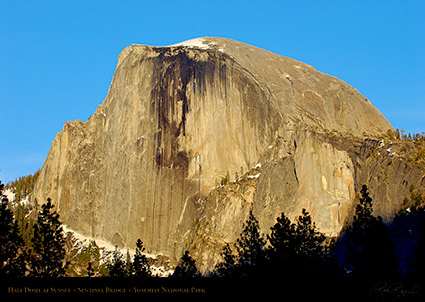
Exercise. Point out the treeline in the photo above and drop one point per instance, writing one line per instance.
(367, 248)
(42, 255)
(33, 244)
(403, 136)
(412, 145)
(138, 266)
(23, 186)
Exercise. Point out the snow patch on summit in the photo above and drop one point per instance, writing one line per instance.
(198, 42)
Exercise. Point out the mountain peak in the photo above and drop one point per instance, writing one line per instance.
(181, 119)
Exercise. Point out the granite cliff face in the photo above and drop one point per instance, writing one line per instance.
(180, 119)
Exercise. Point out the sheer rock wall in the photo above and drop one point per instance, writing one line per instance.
(178, 120)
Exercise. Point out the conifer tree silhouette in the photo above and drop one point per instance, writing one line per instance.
(366, 245)
(250, 248)
(12, 249)
(117, 268)
(141, 262)
(187, 267)
(309, 243)
(227, 267)
(48, 244)
(281, 251)
(296, 248)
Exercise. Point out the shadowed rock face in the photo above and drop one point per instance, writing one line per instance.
(179, 119)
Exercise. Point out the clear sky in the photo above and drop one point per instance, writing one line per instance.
(57, 58)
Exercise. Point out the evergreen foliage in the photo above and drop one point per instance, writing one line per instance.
(413, 145)
(250, 247)
(42, 254)
(12, 251)
(281, 251)
(368, 250)
(32, 243)
(139, 267)
(141, 262)
(296, 247)
(24, 216)
(309, 243)
(281, 240)
(118, 266)
(187, 267)
(48, 244)
(227, 267)
(23, 186)
(401, 135)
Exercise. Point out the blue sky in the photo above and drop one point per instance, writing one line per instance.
(57, 58)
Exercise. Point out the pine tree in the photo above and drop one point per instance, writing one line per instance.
(118, 266)
(250, 247)
(281, 251)
(397, 134)
(22, 214)
(12, 251)
(187, 267)
(23, 186)
(48, 244)
(309, 242)
(141, 262)
(296, 248)
(366, 244)
(226, 268)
